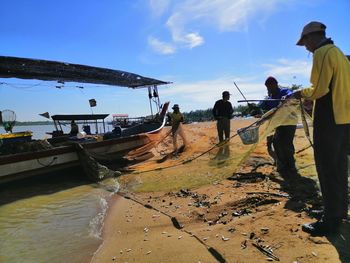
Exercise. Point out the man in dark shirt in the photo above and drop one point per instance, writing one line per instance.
(74, 129)
(222, 112)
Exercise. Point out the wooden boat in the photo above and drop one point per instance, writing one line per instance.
(124, 121)
(62, 152)
(24, 136)
(20, 165)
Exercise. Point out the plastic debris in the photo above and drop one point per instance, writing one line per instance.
(264, 230)
(225, 238)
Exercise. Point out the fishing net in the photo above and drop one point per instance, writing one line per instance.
(204, 161)
(8, 118)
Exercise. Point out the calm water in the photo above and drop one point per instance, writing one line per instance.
(56, 218)
(39, 131)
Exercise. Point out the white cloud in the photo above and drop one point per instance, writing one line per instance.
(187, 17)
(161, 47)
(193, 40)
(203, 94)
(179, 35)
(286, 69)
(225, 15)
(158, 7)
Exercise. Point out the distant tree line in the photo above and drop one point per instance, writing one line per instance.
(27, 123)
(240, 110)
(207, 115)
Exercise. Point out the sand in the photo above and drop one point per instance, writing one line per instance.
(257, 219)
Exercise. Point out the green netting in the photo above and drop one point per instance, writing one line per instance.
(210, 165)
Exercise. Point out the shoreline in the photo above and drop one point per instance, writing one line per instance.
(232, 217)
(133, 231)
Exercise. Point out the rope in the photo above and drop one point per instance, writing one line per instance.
(305, 148)
(178, 226)
(161, 140)
(306, 127)
(49, 164)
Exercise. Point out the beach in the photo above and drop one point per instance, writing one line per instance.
(252, 215)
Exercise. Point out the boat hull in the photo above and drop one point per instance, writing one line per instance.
(26, 164)
(16, 166)
(15, 137)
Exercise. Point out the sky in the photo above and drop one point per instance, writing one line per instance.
(202, 47)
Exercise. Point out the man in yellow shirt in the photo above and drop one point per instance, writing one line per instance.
(330, 91)
(176, 126)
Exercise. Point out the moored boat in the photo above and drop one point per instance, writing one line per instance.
(24, 136)
(60, 152)
(64, 155)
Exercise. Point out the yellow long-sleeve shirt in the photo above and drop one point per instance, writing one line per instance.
(331, 69)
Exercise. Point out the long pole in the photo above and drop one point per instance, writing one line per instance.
(239, 90)
(261, 100)
(150, 99)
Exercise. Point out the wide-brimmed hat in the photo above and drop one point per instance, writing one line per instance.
(311, 27)
(176, 106)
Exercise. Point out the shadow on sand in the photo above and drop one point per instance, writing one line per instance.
(341, 241)
(305, 196)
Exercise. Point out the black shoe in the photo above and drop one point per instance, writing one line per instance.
(288, 172)
(321, 228)
(318, 214)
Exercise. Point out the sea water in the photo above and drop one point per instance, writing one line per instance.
(52, 218)
(41, 131)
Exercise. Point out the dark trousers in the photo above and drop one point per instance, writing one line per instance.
(284, 148)
(331, 143)
(223, 126)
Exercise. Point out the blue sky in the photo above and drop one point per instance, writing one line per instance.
(202, 46)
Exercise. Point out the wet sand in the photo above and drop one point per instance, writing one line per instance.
(254, 216)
